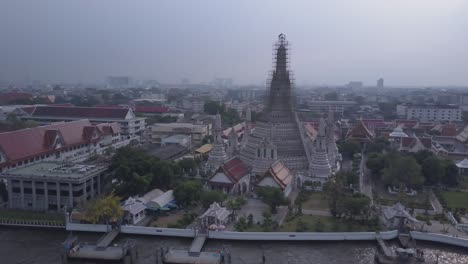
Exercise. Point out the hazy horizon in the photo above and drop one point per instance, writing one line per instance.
(419, 42)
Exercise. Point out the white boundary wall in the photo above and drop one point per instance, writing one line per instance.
(457, 241)
(302, 236)
(271, 236)
(278, 236)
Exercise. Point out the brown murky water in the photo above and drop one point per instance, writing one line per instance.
(32, 246)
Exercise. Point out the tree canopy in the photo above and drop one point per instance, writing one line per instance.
(188, 192)
(341, 200)
(403, 171)
(272, 196)
(229, 116)
(137, 172)
(209, 197)
(103, 210)
(349, 148)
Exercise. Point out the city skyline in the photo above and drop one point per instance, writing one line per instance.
(418, 43)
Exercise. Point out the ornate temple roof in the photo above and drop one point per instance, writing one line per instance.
(360, 133)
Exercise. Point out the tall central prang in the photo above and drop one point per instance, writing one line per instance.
(280, 93)
(279, 134)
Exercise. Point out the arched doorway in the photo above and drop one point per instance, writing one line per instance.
(245, 188)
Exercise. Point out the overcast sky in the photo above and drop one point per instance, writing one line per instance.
(407, 42)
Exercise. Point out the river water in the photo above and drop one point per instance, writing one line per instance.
(32, 246)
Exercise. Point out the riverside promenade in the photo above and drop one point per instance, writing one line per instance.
(273, 236)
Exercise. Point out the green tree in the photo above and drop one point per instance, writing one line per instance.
(375, 163)
(433, 170)
(187, 193)
(187, 164)
(103, 210)
(250, 221)
(422, 155)
(319, 226)
(403, 171)
(356, 205)
(213, 108)
(241, 224)
(378, 146)
(230, 117)
(268, 223)
(451, 176)
(349, 148)
(301, 226)
(209, 197)
(272, 196)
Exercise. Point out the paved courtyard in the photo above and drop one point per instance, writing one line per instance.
(255, 207)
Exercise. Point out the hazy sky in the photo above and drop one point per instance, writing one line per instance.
(407, 42)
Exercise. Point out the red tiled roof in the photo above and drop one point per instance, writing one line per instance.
(6, 98)
(235, 169)
(80, 112)
(22, 144)
(108, 128)
(280, 174)
(449, 130)
(110, 106)
(427, 142)
(152, 109)
(409, 142)
(360, 132)
(373, 122)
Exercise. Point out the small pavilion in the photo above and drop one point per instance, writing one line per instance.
(463, 167)
(215, 215)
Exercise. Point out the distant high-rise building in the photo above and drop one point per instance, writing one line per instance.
(355, 85)
(380, 83)
(118, 81)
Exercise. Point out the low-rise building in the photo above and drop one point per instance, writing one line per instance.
(336, 106)
(182, 140)
(429, 113)
(196, 131)
(53, 186)
(130, 125)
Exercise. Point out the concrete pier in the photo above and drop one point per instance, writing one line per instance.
(385, 249)
(105, 240)
(183, 256)
(197, 244)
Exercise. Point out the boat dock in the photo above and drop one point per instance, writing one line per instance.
(183, 256)
(101, 250)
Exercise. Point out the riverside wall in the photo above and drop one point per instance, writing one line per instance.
(439, 238)
(227, 235)
(272, 236)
